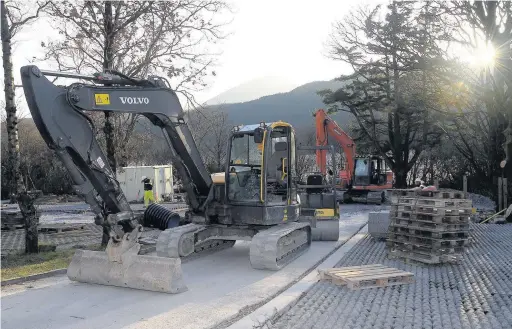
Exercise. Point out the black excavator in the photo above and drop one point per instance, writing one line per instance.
(254, 199)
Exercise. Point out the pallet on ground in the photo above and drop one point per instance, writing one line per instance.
(428, 233)
(450, 219)
(433, 194)
(428, 210)
(424, 249)
(427, 241)
(12, 219)
(366, 276)
(425, 258)
(429, 226)
(59, 228)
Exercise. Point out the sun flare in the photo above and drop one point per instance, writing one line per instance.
(483, 56)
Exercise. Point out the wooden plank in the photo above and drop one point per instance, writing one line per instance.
(388, 275)
(500, 194)
(352, 267)
(371, 276)
(364, 273)
(505, 193)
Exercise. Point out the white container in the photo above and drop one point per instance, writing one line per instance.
(130, 179)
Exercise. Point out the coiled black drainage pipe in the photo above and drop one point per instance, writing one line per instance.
(160, 217)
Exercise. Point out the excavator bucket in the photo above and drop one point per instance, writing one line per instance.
(120, 265)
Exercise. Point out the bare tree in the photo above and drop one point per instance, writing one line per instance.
(211, 130)
(138, 39)
(305, 160)
(14, 16)
(395, 76)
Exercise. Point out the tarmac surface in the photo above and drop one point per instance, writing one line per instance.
(222, 287)
(477, 293)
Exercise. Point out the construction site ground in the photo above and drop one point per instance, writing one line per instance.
(223, 287)
(64, 214)
(477, 293)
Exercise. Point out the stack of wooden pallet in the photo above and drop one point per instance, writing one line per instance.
(430, 227)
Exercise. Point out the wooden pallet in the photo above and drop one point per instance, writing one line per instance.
(425, 258)
(59, 228)
(429, 233)
(422, 249)
(433, 202)
(428, 210)
(12, 219)
(427, 241)
(366, 276)
(429, 226)
(431, 194)
(456, 219)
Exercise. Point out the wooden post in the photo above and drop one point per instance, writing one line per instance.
(465, 183)
(436, 182)
(500, 193)
(505, 193)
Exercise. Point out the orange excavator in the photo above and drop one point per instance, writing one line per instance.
(365, 178)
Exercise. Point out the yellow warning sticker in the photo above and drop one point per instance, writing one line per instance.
(324, 213)
(102, 99)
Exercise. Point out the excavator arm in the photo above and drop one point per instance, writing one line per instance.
(325, 127)
(58, 113)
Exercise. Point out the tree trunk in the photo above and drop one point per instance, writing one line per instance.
(108, 128)
(400, 178)
(13, 147)
(28, 210)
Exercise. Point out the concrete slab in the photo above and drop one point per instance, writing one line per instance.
(222, 287)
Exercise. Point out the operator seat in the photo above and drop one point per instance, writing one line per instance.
(275, 163)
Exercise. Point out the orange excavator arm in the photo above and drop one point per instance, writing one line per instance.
(325, 126)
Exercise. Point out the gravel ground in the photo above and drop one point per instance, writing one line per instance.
(70, 213)
(474, 294)
(481, 202)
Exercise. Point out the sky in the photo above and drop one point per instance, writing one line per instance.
(282, 38)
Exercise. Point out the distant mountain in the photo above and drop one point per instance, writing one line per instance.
(295, 106)
(253, 89)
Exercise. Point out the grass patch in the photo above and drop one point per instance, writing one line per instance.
(21, 265)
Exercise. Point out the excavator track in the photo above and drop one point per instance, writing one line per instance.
(179, 242)
(275, 247)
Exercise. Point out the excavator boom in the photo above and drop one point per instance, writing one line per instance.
(325, 127)
(58, 113)
(70, 133)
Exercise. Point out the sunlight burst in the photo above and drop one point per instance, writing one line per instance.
(483, 56)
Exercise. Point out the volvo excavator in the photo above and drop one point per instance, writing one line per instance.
(365, 178)
(254, 199)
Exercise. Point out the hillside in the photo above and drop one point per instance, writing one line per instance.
(252, 90)
(294, 106)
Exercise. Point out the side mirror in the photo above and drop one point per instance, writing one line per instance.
(258, 135)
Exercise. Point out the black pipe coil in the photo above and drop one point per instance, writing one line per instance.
(160, 217)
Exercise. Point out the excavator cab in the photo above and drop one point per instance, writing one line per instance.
(370, 170)
(371, 178)
(260, 174)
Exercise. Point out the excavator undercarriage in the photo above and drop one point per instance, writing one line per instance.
(256, 200)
